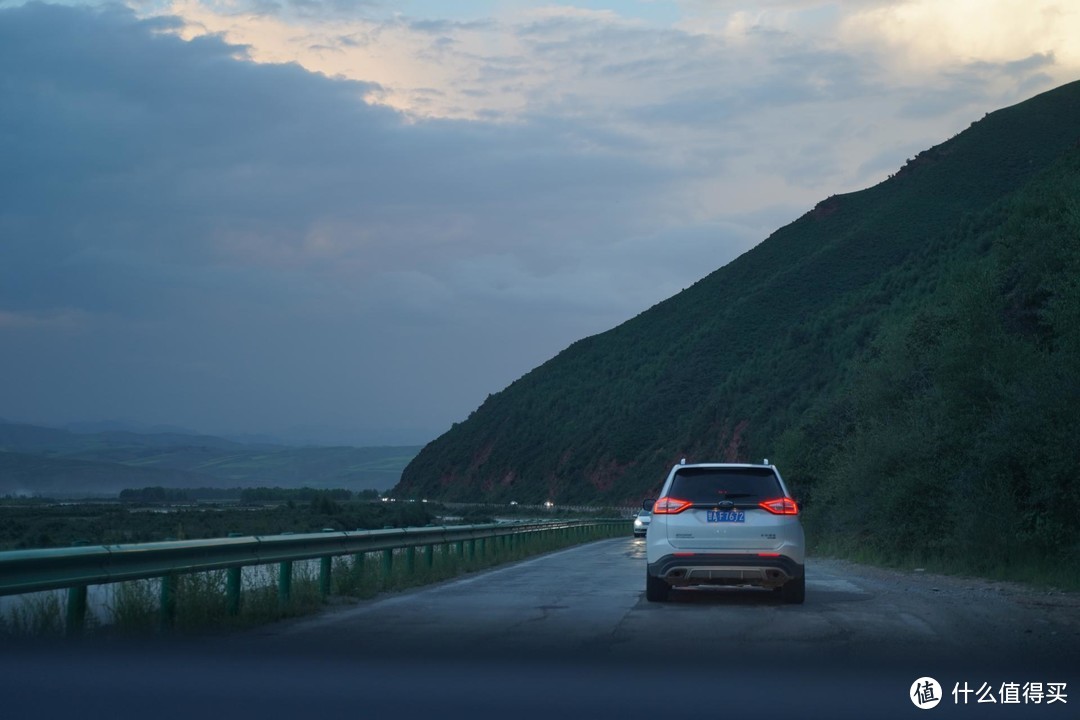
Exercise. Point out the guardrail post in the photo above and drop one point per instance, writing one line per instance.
(233, 583)
(472, 549)
(76, 611)
(429, 555)
(232, 590)
(387, 564)
(326, 567)
(75, 621)
(168, 601)
(284, 586)
(481, 546)
(284, 583)
(410, 559)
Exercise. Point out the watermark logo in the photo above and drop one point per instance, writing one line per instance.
(925, 693)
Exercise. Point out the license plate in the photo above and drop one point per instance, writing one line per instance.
(725, 516)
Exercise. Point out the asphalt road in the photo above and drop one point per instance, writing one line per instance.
(570, 633)
(590, 599)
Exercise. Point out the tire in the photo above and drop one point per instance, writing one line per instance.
(656, 590)
(794, 591)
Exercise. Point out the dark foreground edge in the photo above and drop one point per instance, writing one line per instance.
(185, 679)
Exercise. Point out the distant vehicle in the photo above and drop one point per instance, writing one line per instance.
(641, 522)
(513, 502)
(725, 524)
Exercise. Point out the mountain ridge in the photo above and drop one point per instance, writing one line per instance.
(722, 369)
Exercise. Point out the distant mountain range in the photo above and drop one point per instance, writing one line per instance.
(298, 435)
(37, 460)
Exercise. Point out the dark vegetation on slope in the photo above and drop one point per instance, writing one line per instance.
(907, 354)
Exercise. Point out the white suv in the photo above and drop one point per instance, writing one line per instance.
(725, 524)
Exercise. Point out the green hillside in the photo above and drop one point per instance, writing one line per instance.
(38, 460)
(896, 351)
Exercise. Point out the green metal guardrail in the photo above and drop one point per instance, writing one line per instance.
(76, 568)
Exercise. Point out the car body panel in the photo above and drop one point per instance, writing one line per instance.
(761, 531)
(764, 550)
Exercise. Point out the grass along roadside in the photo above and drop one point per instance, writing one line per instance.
(1024, 567)
(201, 599)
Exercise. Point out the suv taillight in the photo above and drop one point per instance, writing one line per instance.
(670, 506)
(780, 506)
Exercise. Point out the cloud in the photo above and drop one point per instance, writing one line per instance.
(268, 243)
(249, 215)
(925, 33)
(697, 94)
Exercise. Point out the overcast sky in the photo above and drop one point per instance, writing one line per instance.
(352, 220)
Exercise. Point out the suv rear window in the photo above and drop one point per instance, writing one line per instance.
(707, 485)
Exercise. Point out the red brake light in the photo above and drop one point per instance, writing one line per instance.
(780, 506)
(670, 506)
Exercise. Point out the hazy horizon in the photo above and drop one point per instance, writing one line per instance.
(294, 436)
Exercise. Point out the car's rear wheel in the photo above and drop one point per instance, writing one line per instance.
(656, 590)
(794, 591)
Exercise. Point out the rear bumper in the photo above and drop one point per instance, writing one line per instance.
(726, 569)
